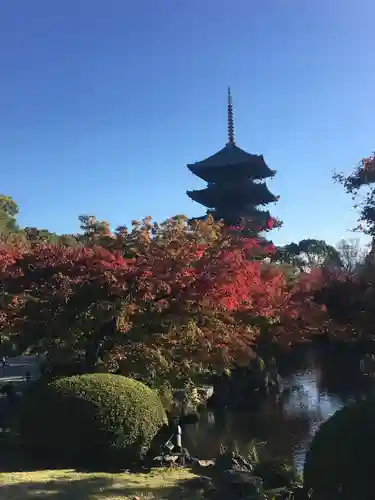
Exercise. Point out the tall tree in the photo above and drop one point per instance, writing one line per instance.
(175, 298)
(352, 254)
(8, 214)
(360, 184)
(95, 232)
(35, 235)
(308, 254)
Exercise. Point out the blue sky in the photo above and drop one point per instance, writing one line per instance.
(103, 103)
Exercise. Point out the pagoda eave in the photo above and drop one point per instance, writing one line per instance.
(217, 199)
(231, 159)
(241, 171)
(244, 217)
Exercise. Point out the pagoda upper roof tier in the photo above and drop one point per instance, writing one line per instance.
(235, 196)
(233, 161)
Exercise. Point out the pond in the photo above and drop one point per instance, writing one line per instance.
(284, 425)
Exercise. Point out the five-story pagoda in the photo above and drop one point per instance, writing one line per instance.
(235, 190)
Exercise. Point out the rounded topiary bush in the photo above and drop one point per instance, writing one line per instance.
(90, 419)
(339, 463)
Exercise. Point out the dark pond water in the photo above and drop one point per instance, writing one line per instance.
(286, 423)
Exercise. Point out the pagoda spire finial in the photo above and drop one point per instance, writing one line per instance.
(231, 139)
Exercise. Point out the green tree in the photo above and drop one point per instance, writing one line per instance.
(37, 236)
(95, 232)
(360, 185)
(8, 213)
(308, 254)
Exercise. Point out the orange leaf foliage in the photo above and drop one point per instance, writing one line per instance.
(180, 295)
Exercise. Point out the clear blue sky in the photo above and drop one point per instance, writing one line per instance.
(104, 102)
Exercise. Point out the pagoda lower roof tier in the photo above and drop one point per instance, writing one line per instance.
(247, 193)
(233, 161)
(248, 212)
(249, 218)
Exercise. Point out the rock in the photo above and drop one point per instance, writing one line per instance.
(232, 461)
(205, 392)
(182, 403)
(204, 485)
(188, 400)
(200, 483)
(179, 395)
(165, 459)
(189, 419)
(238, 484)
(276, 473)
(198, 465)
(206, 463)
(193, 462)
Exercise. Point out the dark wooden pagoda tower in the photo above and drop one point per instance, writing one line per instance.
(235, 191)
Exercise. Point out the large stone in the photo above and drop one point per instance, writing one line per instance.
(232, 461)
(204, 392)
(186, 401)
(239, 484)
(203, 483)
(276, 473)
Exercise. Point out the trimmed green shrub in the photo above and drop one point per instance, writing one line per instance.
(90, 419)
(339, 463)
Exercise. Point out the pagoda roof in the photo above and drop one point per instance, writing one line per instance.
(234, 217)
(234, 161)
(235, 196)
(246, 211)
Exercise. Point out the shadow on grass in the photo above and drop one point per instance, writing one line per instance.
(13, 460)
(23, 478)
(95, 488)
(83, 489)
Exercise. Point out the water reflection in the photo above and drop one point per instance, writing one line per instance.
(308, 400)
(287, 422)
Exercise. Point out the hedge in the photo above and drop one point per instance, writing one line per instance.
(91, 418)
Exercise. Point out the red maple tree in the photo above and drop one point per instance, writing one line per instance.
(163, 299)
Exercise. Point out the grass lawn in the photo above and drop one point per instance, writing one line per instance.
(70, 485)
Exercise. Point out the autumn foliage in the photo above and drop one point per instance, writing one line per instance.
(159, 300)
(350, 297)
(360, 185)
(167, 300)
